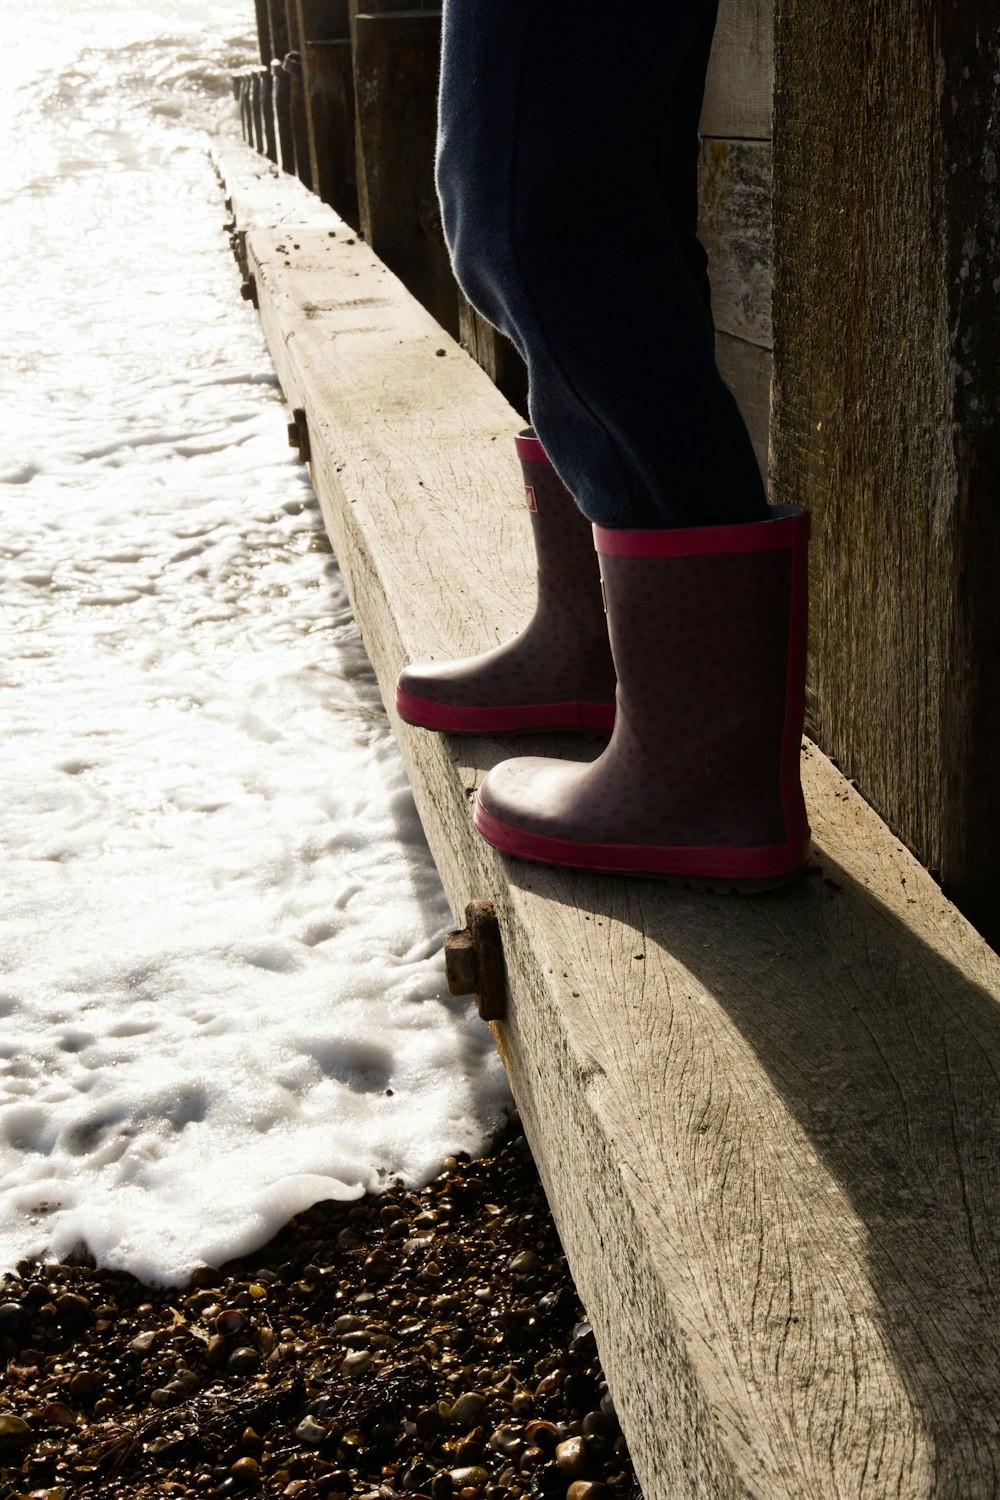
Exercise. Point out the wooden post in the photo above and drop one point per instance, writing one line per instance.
(280, 85)
(246, 105)
(292, 66)
(886, 418)
(331, 113)
(263, 31)
(324, 36)
(495, 354)
(277, 17)
(257, 109)
(297, 98)
(270, 147)
(396, 65)
(281, 94)
(735, 210)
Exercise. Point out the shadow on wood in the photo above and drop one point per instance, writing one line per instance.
(495, 354)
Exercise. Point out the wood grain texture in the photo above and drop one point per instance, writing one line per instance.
(740, 90)
(769, 1129)
(735, 214)
(887, 255)
(734, 225)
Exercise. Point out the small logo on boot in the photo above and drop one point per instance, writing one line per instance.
(529, 495)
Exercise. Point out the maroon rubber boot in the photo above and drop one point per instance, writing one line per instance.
(558, 672)
(700, 779)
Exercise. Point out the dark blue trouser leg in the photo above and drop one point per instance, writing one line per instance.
(566, 159)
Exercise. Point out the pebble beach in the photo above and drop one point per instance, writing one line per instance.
(426, 1344)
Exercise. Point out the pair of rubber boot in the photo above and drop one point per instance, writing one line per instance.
(689, 647)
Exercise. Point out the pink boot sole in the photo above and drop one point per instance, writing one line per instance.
(742, 871)
(427, 714)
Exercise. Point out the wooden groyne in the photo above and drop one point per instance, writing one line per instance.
(769, 1129)
(853, 227)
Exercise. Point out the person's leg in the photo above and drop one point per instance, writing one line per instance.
(549, 171)
(557, 673)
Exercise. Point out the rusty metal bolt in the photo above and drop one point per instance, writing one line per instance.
(474, 962)
(298, 434)
(248, 291)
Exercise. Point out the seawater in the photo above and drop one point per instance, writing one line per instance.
(221, 986)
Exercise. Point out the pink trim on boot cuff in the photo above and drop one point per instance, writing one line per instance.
(790, 524)
(427, 714)
(530, 449)
(759, 862)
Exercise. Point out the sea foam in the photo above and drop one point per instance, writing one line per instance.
(221, 983)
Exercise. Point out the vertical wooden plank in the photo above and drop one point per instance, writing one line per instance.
(327, 66)
(257, 109)
(396, 67)
(278, 28)
(263, 31)
(297, 112)
(292, 26)
(281, 93)
(277, 16)
(740, 91)
(324, 37)
(297, 96)
(735, 228)
(886, 398)
(735, 205)
(246, 108)
(970, 138)
(495, 354)
(267, 112)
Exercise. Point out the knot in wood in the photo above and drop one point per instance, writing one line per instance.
(474, 963)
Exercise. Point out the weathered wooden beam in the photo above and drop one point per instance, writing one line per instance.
(328, 79)
(769, 1129)
(241, 83)
(735, 205)
(270, 147)
(887, 406)
(735, 228)
(740, 92)
(263, 31)
(281, 96)
(277, 15)
(396, 67)
(329, 75)
(297, 110)
(297, 106)
(257, 109)
(495, 354)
